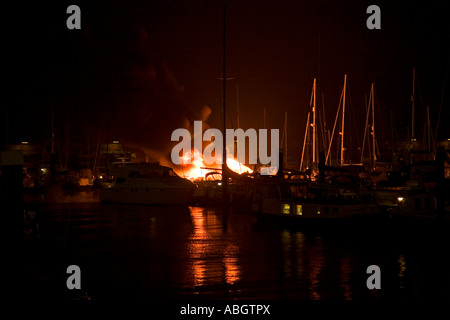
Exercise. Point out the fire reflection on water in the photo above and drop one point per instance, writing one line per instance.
(150, 251)
(208, 242)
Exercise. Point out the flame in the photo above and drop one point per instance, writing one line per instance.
(237, 166)
(197, 169)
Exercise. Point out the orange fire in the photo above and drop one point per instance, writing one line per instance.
(198, 168)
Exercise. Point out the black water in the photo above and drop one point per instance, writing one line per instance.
(147, 253)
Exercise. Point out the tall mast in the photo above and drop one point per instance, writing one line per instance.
(428, 133)
(224, 150)
(334, 128)
(237, 104)
(52, 152)
(366, 125)
(53, 130)
(374, 156)
(370, 109)
(285, 139)
(343, 121)
(304, 141)
(324, 126)
(413, 106)
(314, 124)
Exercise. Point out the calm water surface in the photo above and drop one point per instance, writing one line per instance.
(148, 252)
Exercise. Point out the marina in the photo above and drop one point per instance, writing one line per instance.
(228, 152)
(289, 238)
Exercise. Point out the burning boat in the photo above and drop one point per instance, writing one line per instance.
(147, 183)
(209, 182)
(209, 191)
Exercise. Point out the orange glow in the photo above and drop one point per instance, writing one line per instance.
(196, 169)
(231, 264)
(203, 243)
(237, 167)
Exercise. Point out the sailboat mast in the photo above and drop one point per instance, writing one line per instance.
(237, 105)
(314, 124)
(366, 125)
(374, 157)
(53, 130)
(428, 133)
(285, 139)
(324, 126)
(304, 141)
(413, 106)
(332, 133)
(224, 150)
(343, 121)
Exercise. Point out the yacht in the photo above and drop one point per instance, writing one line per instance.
(147, 183)
(297, 202)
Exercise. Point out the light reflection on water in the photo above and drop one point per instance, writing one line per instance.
(304, 264)
(213, 254)
(172, 252)
(402, 269)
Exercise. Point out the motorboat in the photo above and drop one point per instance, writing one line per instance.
(147, 183)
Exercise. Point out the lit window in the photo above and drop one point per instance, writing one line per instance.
(286, 208)
(299, 209)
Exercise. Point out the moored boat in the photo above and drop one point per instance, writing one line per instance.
(295, 203)
(209, 191)
(147, 183)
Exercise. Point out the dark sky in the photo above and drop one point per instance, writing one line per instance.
(137, 70)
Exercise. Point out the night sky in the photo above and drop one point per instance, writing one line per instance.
(137, 70)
